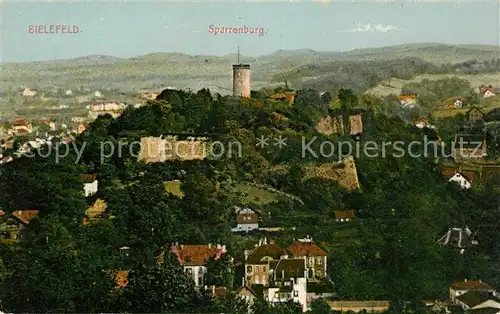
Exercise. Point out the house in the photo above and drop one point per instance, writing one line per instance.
(247, 219)
(314, 255)
(460, 238)
(49, 123)
(459, 179)
(11, 225)
(6, 159)
(344, 215)
(68, 92)
(475, 115)
(421, 123)
(288, 281)
(28, 92)
(112, 107)
(90, 184)
(257, 261)
(359, 306)
(473, 300)
(469, 147)
(78, 119)
(97, 94)
(21, 126)
(408, 100)
(194, 258)
(95, 212)
(459, 288)
(458, 103)
(80, 128)
(487, 92)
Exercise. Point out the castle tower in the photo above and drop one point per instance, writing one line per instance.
(241, 79)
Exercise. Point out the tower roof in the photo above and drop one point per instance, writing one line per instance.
(241, 66)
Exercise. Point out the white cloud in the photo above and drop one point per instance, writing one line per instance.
(379, 28)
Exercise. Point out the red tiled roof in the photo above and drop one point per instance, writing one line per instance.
(88, 178)
(448, 172)
(45, 121)
(306, 249)
(471, 176)
(21, 122)
(404, 97)
(196, 255)
(2, 212)
(344, 214)
(25, 216)
(470, 285)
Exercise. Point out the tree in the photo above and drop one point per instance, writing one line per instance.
(220, 272)
(319, 306)
(161, 288)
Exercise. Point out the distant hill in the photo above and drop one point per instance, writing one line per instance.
(195, 72)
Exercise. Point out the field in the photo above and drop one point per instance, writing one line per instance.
(256, 195)
(394, 86)
(485, 105)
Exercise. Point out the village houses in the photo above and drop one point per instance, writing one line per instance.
(472, 295)
(22, 126)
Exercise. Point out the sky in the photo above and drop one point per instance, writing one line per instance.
(127, 29)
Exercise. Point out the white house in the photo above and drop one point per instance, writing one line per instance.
(194, 258)
(247, 219)
(97, 94)
(459, 179)
(83, 98)
(90, 184)
(68, 92)
(288, 281)
(488, 93)
(458, 103)
(28, 92)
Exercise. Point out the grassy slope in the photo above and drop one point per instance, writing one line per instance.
(195, 72)
(393, 86)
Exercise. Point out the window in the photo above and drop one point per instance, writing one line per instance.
(295, 293)
(200, 281)
(320, 273)
(311, 260)
(200, 270)
(264, 269)
(189, 270)
(249, 269)
(320, 260)
(256, 269)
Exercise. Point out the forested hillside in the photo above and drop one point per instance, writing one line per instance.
(403, 206)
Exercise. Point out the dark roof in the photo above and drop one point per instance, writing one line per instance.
(290, 268)
(470, 285)
(473, 298)
(271, 250)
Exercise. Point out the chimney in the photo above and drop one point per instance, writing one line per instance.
(465, 280)
(218, 246)
(260, 242)
(224, 248)
(243, 281)
(282, 274)
(182, 246)
(19, 212)
(213, 289)
(210, 245)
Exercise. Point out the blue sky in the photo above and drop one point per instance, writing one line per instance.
(127, 29)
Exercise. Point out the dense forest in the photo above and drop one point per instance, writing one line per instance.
(404, 205)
